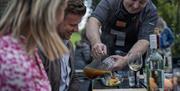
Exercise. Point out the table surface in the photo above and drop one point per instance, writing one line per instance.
(135, 89)
(98, 84)
(124, 86)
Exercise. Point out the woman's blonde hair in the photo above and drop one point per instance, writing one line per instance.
(39, 18)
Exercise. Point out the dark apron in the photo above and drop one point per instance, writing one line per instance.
(120, 33)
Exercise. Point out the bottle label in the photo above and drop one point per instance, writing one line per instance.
(153, 41)
(131, 78)
(131, 81)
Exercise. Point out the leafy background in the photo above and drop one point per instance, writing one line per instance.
(170, 11)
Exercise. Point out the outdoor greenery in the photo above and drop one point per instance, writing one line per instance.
(75, 37)
(170, 11)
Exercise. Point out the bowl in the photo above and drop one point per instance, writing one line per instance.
(111, 80)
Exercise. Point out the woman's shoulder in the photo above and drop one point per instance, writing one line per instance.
(10, 47)
(19, 66)
(9, 43)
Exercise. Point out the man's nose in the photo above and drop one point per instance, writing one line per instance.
(136, 5)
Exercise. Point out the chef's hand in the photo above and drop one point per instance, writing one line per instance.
(99, 50)
(120, 62)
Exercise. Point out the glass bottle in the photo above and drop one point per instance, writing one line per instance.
(154, 67)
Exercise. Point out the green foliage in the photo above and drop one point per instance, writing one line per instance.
(169, 10)
(75, 37)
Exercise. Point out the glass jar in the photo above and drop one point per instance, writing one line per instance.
(99, 67)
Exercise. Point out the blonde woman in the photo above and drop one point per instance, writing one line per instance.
(25, 26)
(61, 72)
